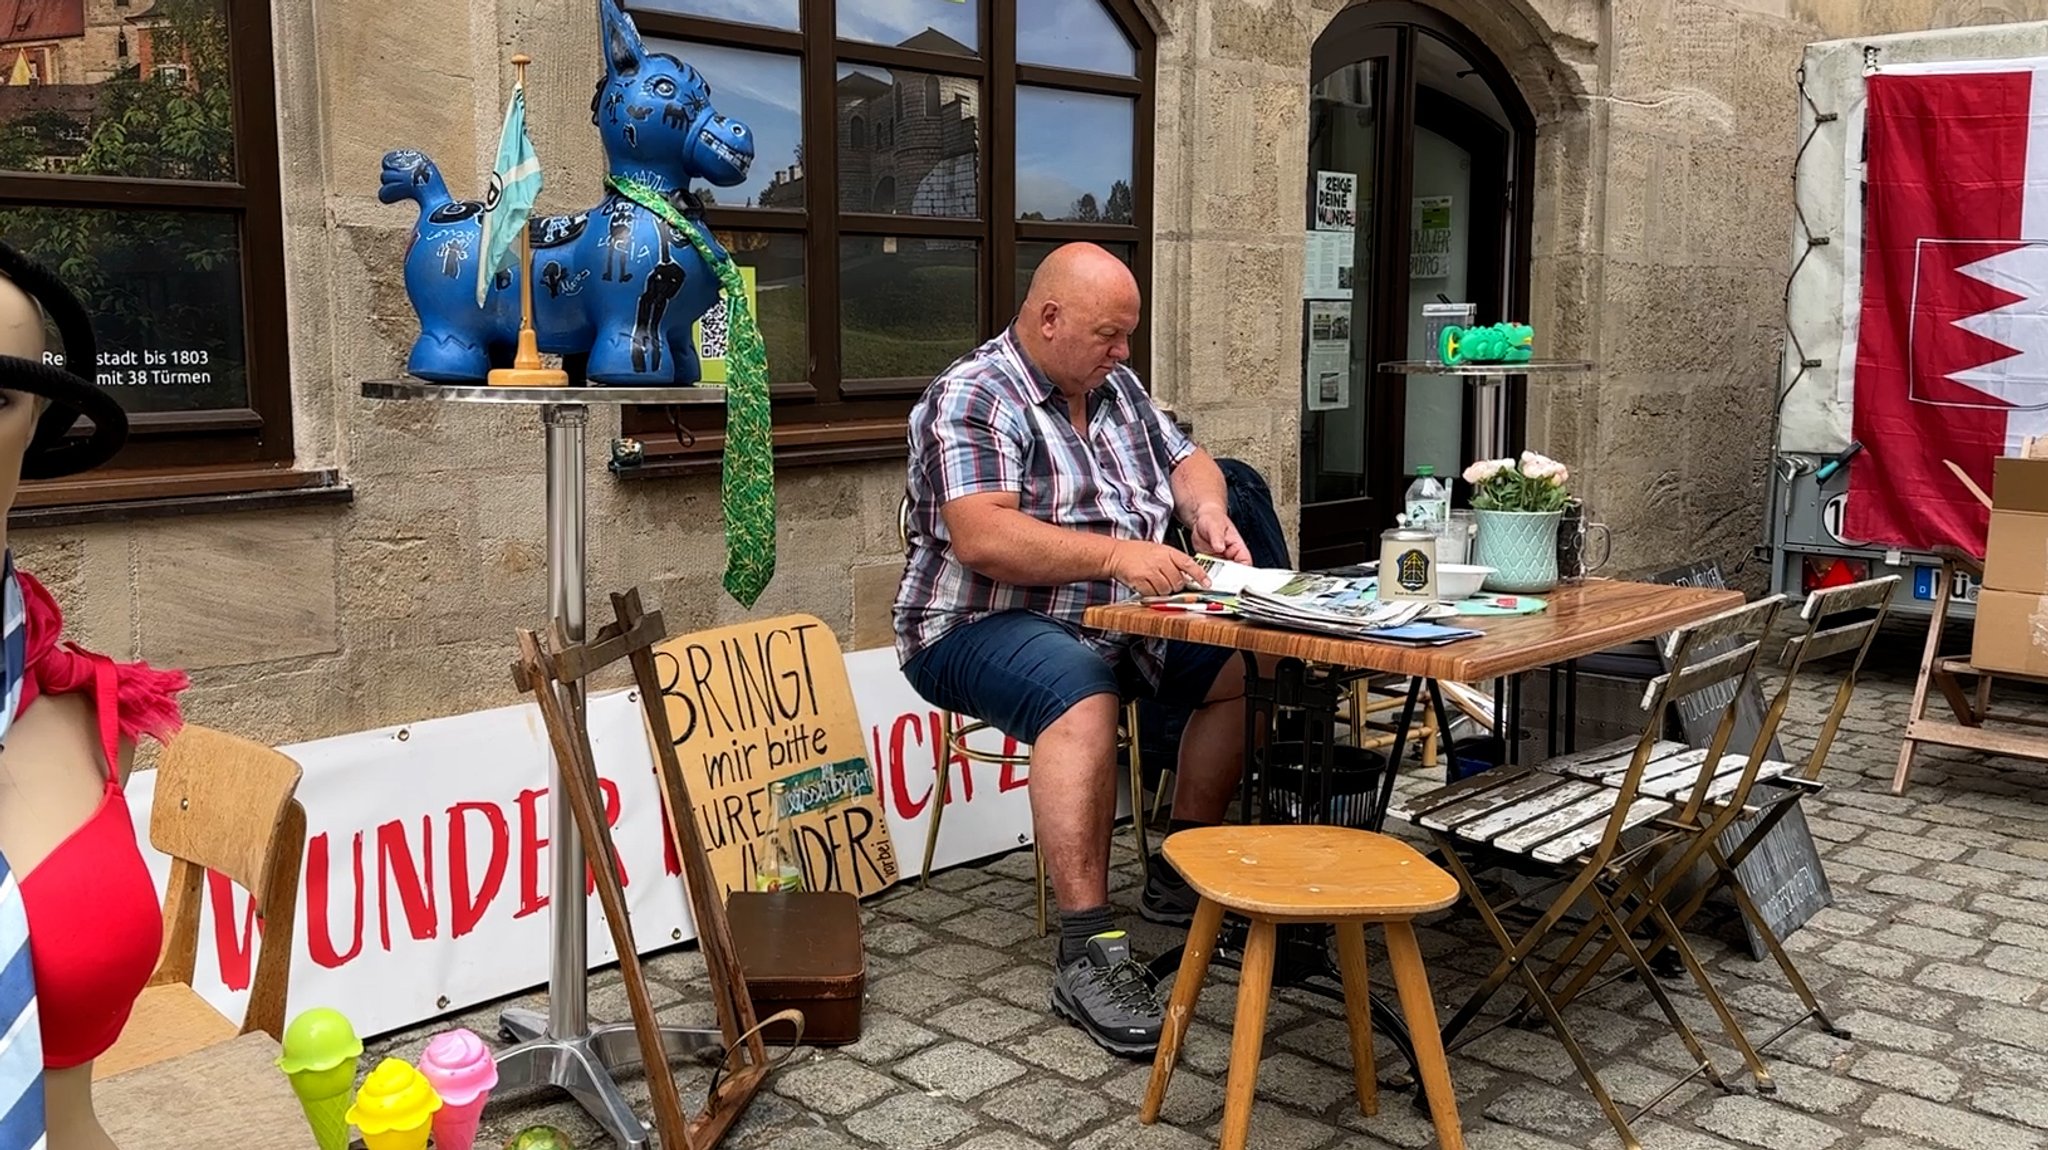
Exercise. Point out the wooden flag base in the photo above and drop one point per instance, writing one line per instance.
(538, 671)
(526, 370)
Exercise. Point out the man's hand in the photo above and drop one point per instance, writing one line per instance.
(1214, 534)
(1154, 568)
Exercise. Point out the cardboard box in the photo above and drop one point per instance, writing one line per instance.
(2016, 552)
(2011, 633)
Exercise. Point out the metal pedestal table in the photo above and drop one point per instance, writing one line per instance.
(563, 1048)
(1489, 386)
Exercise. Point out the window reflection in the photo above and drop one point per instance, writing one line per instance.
(1057, 180)
(764, 91)
(907, 307)
(165, 292)
(1078, 34)
(947, 26)
(909, 142)
(780, 303)
(159, 106)
(768, 13)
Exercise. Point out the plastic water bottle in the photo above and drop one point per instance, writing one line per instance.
(1428, 502)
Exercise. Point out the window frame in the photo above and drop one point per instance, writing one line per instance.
(214, 450)
(827, 419)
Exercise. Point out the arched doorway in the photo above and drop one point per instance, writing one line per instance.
(1423, 127)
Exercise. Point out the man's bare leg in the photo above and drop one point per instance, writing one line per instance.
(1073, 800)
(1212, 751)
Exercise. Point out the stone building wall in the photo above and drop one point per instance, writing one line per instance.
(1663, 196)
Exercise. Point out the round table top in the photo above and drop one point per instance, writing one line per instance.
(1531, 367)
(422, 390)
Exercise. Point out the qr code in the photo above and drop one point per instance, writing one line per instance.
(711, 333)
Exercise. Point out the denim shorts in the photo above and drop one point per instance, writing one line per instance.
(1019, 671)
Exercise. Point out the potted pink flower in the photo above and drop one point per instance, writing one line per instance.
(1518, 503)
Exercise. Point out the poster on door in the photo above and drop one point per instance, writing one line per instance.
(1328, 270)
(1429, 243)
(1328, 374)
(1336, 201)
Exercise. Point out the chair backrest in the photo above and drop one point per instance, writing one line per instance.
(227, 804)
(1825, 636)
(1731, 671)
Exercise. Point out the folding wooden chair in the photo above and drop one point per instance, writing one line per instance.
(1727, 797)
(1542, 818)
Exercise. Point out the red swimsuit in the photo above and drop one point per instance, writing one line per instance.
(95, 926)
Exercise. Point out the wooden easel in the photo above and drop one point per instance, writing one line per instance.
(1972, 710)
(540, 668)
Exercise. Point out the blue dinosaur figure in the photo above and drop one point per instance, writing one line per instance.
(615, 282)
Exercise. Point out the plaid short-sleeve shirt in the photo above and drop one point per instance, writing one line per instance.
(994, 422)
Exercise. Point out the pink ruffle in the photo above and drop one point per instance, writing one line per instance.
(146, 698)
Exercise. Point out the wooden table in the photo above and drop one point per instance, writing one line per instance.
(228, 1094)
(1578, 620)
(1581, 619)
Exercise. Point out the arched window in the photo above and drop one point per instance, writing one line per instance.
(867, 287)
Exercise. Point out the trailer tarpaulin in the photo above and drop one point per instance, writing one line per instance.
(1952, 342)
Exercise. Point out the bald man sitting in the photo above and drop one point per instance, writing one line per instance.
(1043, 480)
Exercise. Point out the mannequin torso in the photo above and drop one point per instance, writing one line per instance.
(53, 776)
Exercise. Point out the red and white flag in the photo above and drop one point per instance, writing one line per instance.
(1952, 347)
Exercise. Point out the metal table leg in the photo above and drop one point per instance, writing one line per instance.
(561, 1049)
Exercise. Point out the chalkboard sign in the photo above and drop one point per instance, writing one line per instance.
(1783, 873)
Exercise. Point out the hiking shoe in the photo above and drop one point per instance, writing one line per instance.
(1107, 993)
(1167, 900)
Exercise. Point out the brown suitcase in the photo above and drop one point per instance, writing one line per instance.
(802, 950)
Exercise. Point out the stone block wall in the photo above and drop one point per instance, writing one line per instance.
(1662, 224)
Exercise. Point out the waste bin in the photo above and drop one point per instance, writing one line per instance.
(1351, 799)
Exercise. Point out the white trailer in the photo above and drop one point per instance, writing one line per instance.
(1816, 386)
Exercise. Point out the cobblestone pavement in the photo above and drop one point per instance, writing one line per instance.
(1934, 954)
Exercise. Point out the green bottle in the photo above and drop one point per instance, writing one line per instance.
(777, 864)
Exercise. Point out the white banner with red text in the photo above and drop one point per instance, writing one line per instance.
(426, 880)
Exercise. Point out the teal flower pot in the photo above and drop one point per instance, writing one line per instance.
(1521, 547)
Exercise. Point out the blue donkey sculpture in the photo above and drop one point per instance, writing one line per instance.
(615, 282)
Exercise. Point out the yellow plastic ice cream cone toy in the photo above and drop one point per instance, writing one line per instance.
(319, 1059)
(395, 1108)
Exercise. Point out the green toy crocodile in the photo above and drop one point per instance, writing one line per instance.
(1500, 343)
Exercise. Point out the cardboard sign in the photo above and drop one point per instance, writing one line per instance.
(770, 701)
(1783, 873)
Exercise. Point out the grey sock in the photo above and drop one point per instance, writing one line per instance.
(1078, 926)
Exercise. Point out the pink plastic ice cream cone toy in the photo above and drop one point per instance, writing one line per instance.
(463, 1071)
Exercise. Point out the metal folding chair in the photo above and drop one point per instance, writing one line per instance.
(1731, 795)
(1542, 818)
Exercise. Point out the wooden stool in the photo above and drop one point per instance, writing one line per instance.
(1315, 874)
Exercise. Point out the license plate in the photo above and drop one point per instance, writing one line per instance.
(1927, 579)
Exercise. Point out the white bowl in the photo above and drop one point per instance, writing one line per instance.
(1455, 581)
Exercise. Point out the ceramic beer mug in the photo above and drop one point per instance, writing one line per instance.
(1575, 534)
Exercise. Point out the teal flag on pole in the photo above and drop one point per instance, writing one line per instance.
(515, 185)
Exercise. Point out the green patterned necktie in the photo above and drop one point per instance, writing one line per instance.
(747, 491)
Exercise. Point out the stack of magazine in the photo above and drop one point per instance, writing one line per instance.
(1344, 606)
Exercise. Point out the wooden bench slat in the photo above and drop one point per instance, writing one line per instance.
(1422, 804)
(1578, 842)
(1496, 822)
(1612, 768)
(1527, 784)
(1595, 808)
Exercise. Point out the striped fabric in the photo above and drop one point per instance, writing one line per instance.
(21, 1035)
(994, 422)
